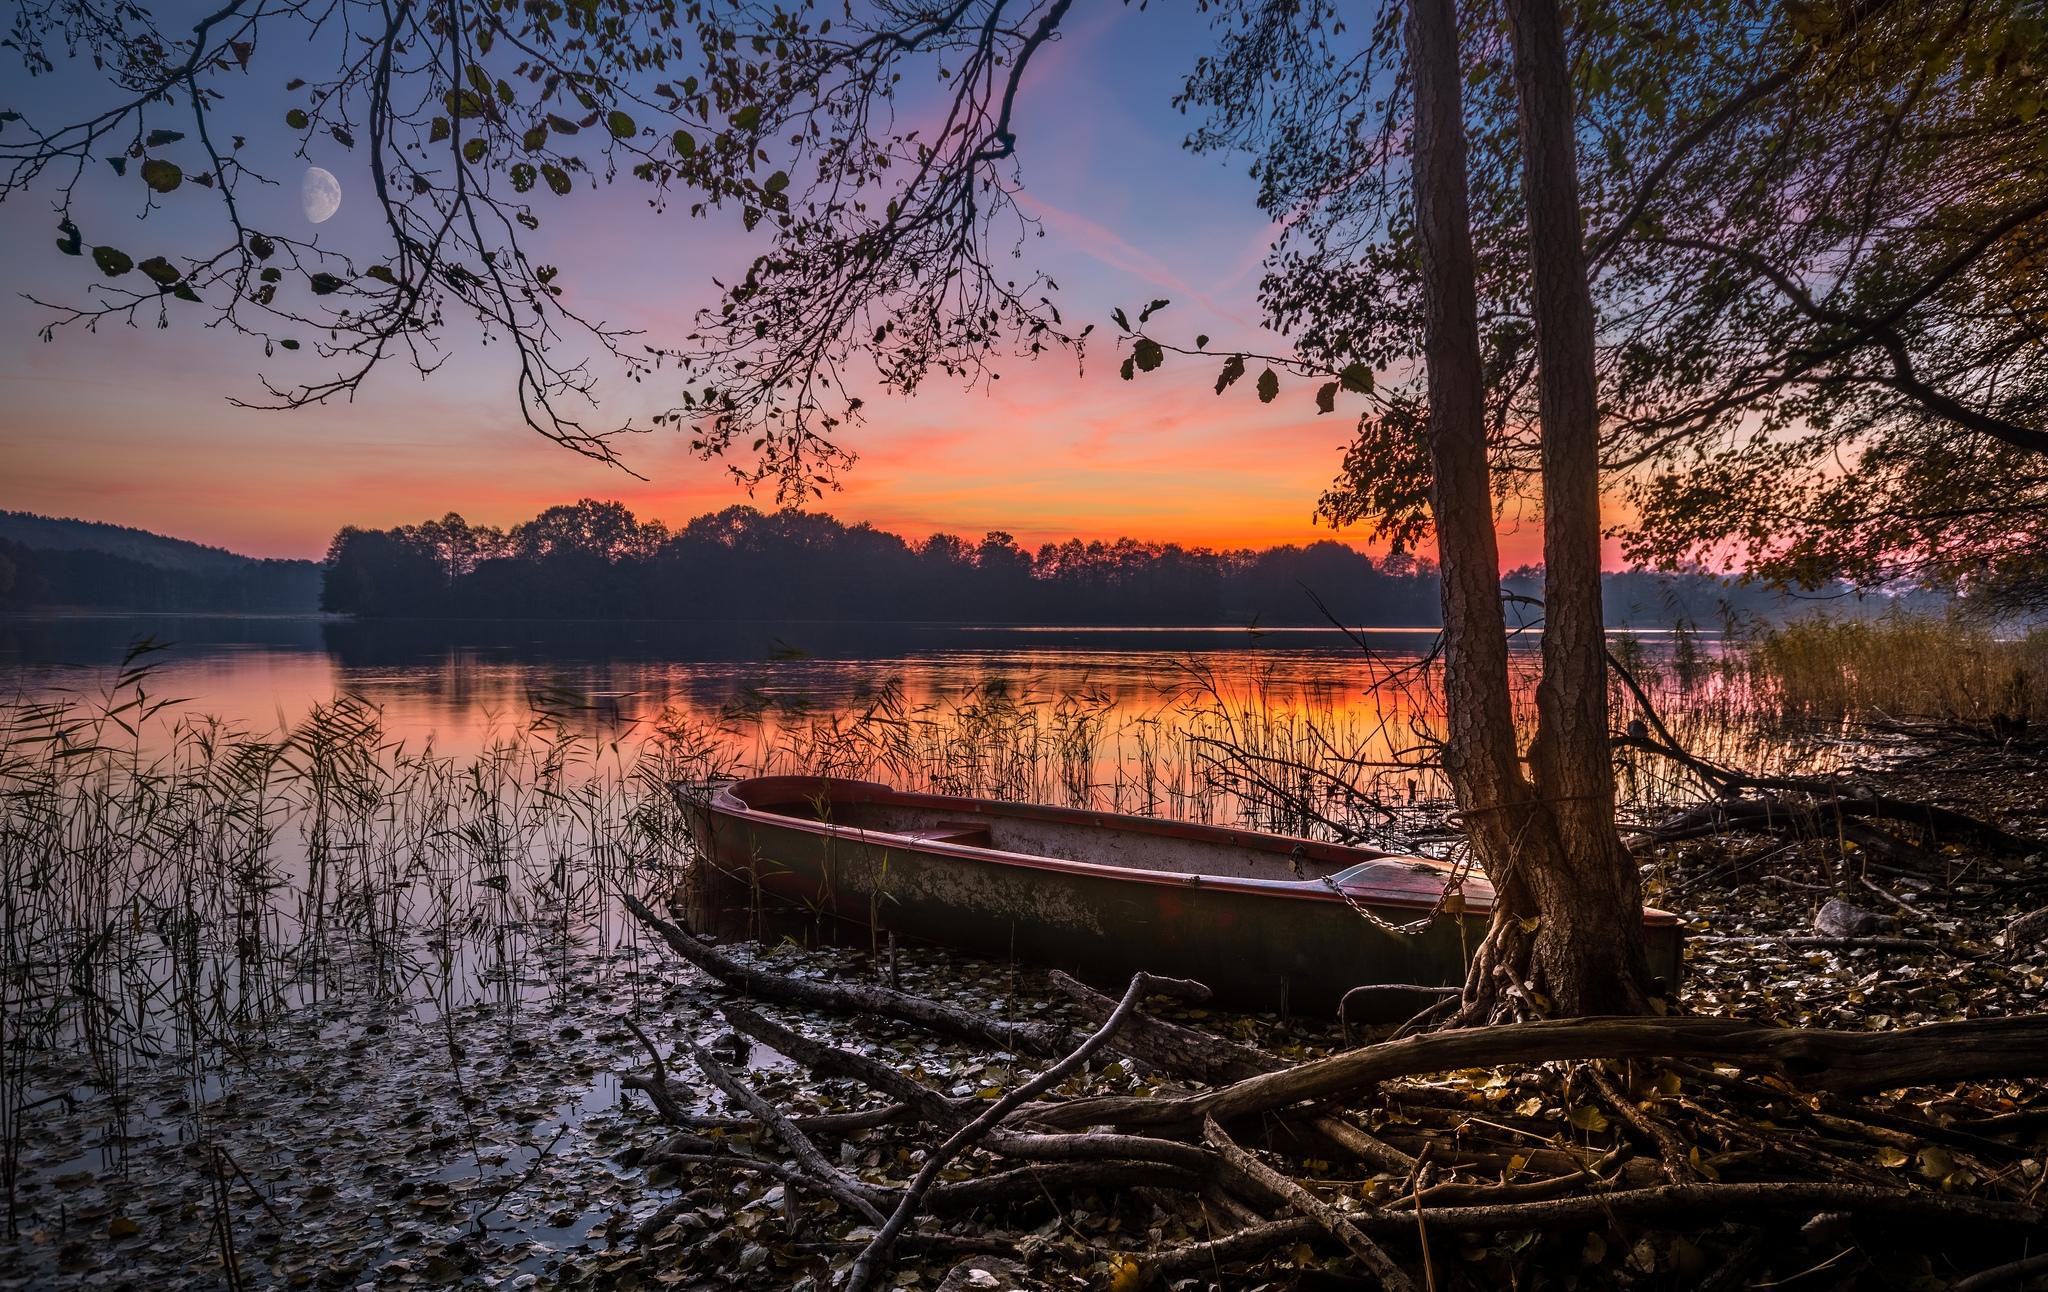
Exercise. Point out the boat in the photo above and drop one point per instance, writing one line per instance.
(1266, 921)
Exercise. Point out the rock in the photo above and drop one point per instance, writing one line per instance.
(987, 1274)
(1839, 919)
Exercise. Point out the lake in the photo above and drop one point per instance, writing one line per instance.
(948, 706)
(458, 680)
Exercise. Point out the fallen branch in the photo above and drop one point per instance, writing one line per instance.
(1873, 942)
(1839, 1061)
(1170, 1047)
(815, 1167)
(876, 1253)
(850, 998)
(1276, 1188)
(1832, 809)
(1677, 1168)
(1698, 1202)
(2002, 1276)
(1246, 1244)
(1186, 1052)
(831, 1061)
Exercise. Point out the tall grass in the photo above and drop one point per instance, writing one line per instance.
(171, 885)
(1905, 667)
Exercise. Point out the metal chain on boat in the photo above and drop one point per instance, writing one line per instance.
(1452, 900)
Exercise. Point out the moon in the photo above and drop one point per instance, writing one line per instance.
(320, 194)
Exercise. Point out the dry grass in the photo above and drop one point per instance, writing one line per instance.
(1906, 668)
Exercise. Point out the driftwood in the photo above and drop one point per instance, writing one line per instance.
(1839, 1061)
(859, 998)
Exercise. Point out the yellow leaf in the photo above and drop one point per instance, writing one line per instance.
(1126, 1274)
(1596, 1249)
(1935, 1163)
(1589, 1118)
(1892, 1157)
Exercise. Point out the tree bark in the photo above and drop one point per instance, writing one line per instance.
(1567, 934)
(1480, 748)
(1587, 951)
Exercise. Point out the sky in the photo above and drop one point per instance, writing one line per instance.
(135, 425)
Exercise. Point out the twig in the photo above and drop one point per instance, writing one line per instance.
(820, 1171)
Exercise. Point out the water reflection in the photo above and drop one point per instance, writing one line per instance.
(461, 681)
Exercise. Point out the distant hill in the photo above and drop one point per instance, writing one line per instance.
(52, 563)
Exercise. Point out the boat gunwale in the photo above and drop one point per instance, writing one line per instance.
(726, 801)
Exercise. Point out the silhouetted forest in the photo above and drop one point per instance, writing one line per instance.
(48, 563)
(597, 560)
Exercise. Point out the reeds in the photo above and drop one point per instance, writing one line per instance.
(1905, 667)
(170, 885)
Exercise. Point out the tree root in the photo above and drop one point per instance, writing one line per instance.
(1839, 1061)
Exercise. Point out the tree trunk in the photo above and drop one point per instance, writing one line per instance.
(1567, 934)
(1590, 945)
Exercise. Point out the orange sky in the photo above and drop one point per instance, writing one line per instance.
(134, 425)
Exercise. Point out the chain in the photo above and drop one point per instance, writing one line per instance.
(1451, 900)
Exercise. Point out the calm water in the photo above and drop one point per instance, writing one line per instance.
(458, 681)
(1131, 719)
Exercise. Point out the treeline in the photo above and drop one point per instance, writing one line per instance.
(598, 560)
(37, 578)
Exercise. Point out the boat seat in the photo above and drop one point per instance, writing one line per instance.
(968, 833)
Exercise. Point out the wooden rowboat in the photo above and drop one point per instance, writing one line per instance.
(1266, 921)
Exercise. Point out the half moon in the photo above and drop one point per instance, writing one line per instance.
(320, 195)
